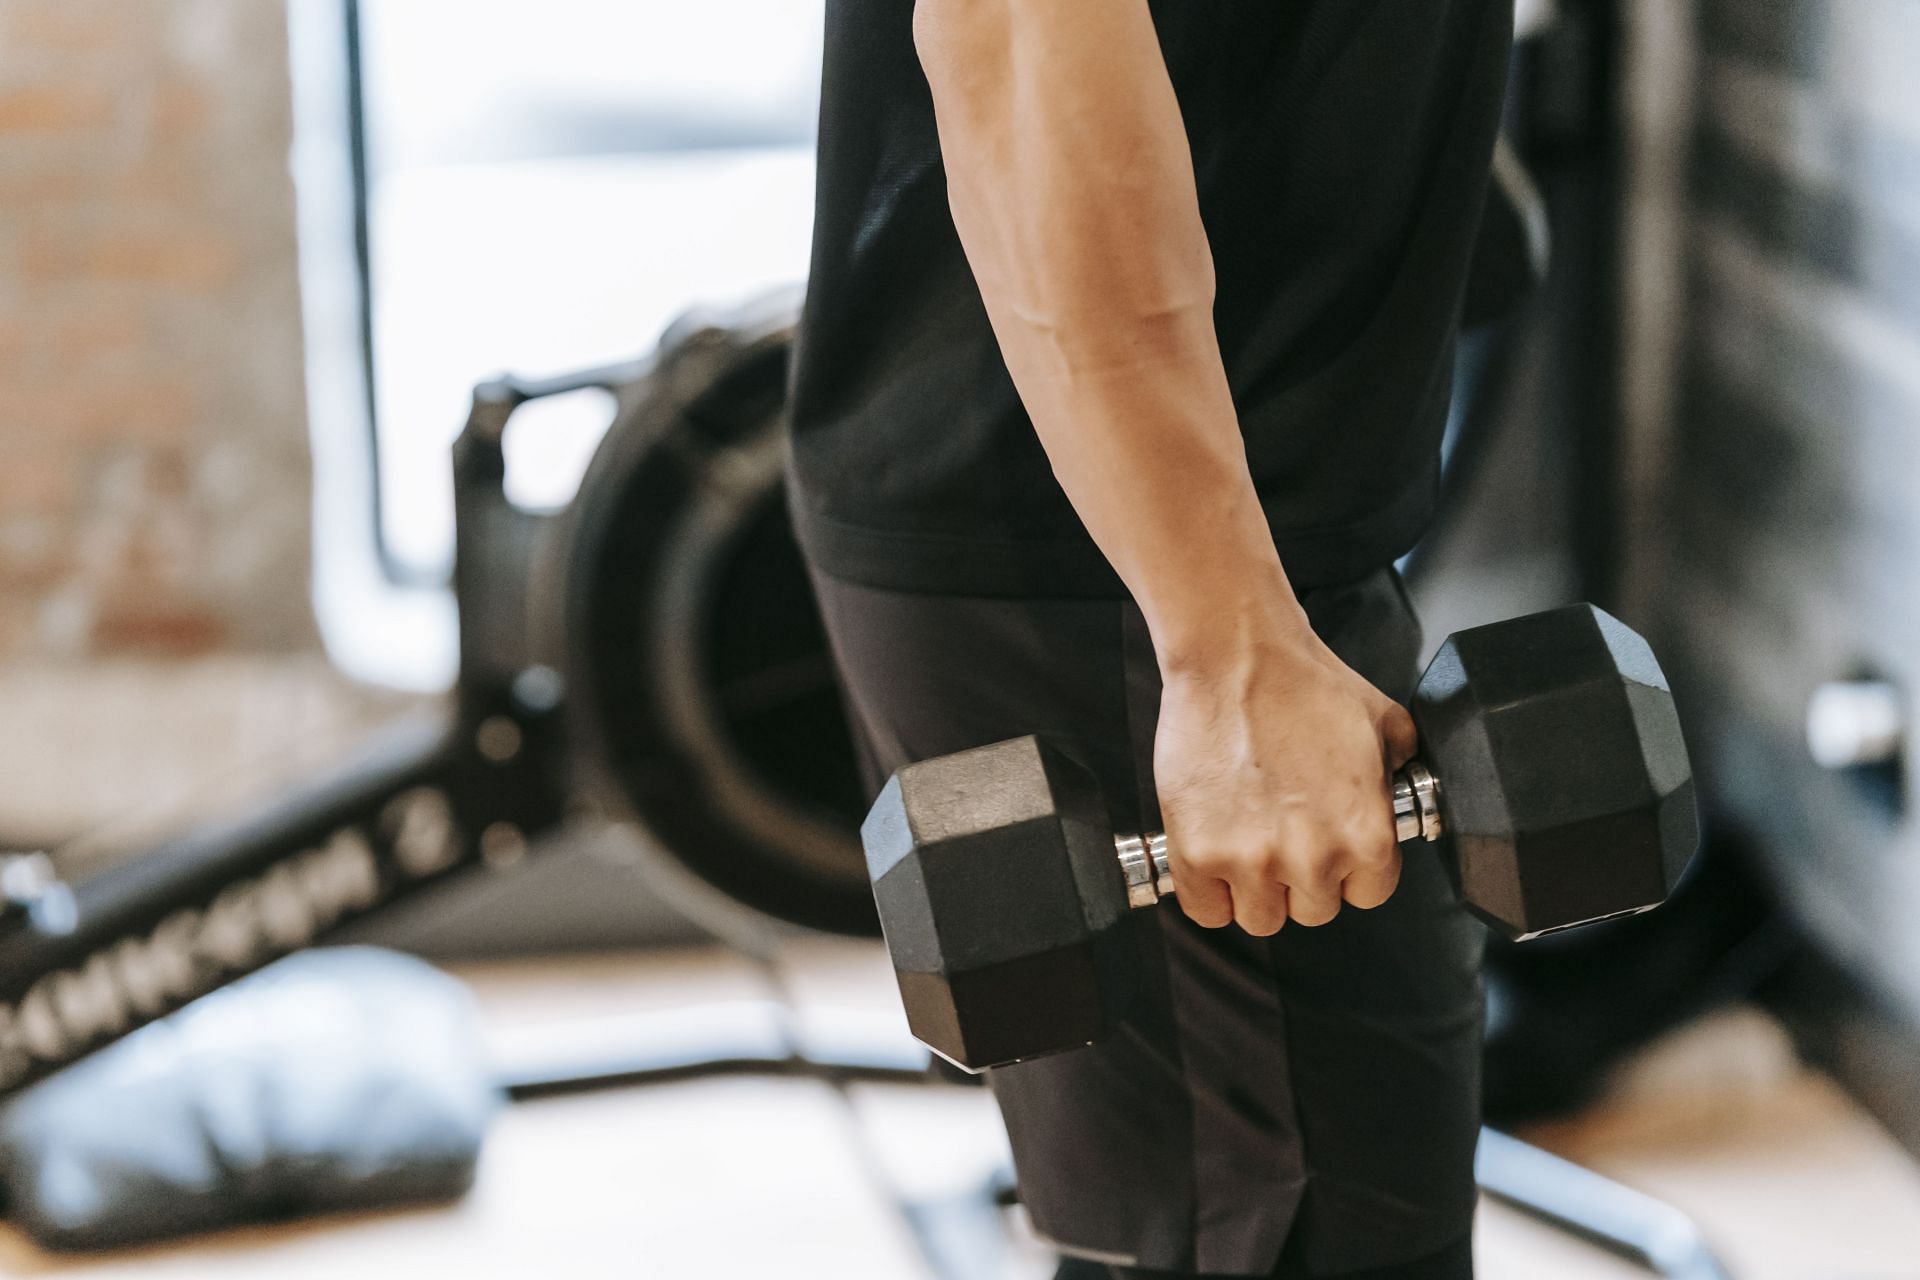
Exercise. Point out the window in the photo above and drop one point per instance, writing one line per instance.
(525, 187)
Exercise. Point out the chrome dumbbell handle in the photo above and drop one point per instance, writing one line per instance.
(1416, 814)
(1416, 804)
(1143, 860)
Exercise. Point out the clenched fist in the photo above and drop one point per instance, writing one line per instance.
(1273, 761)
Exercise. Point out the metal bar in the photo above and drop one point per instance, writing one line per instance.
(1624, 1222)
(84, 966)
(741, 1038)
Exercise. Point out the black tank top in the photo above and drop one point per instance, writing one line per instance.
(1341, 149)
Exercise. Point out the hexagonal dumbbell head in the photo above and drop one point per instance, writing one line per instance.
(1564, 781)
(999, 893)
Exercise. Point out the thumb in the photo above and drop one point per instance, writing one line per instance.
(1398, 736)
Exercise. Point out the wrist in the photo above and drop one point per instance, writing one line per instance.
(1226, 630)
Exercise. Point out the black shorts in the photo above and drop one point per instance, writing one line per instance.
(1318, 1088)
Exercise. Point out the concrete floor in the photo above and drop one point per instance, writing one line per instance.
(744, 1177)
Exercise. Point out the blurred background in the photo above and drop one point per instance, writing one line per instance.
(256, 257)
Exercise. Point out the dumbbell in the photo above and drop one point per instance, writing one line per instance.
(1551, 769)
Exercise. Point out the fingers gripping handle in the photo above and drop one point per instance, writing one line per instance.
(1416, 813)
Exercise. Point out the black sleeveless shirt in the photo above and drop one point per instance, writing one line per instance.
(1341, 149)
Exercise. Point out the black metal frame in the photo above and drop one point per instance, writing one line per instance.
(391, 565)
(468, 783)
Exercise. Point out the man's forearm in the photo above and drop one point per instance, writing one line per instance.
(1072, 189)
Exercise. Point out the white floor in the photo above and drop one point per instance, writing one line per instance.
(761, 1177)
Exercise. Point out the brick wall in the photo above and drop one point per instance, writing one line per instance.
(158, 660)
(153, 461)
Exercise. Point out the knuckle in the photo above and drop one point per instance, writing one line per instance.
(1373, 849)
(1273, 866)
(1322, 866)
(1369, 831)
(1300, 856)
(1206, 864)
(1246, 868)
(1322, 889)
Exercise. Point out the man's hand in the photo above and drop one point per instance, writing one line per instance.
(1273, 762)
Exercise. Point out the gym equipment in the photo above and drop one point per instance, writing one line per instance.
(1624, 1222)
(338, 1079)
(650, 652)
(702, 695)
(1552, 762)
